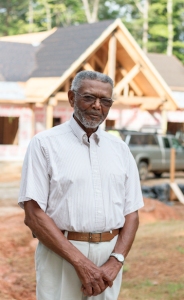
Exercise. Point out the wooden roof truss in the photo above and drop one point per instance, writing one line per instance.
(136, 81)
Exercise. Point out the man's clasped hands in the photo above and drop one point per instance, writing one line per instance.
(96, 279)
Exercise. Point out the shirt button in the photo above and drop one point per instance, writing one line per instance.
(96, 171)
(99, 211)
(98, 191)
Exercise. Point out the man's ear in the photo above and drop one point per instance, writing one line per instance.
(71, 97)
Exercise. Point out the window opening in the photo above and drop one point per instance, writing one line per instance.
(9, 130)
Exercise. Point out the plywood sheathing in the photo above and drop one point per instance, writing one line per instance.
(28, 38)
(37, 87)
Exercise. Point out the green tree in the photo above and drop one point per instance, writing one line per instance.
(49, 13)
(158, 33)
(158, 27)
(13, 17)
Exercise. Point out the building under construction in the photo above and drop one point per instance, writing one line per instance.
(37, 69)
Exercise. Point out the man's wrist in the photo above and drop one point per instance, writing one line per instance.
(115, 262)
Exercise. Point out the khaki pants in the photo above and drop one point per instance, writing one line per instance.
(57, 279)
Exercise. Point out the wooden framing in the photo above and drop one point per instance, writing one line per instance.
(139, 75)
(87, 67)
(49, 117)
(132, 84)
(129, 76)
(61, 96)
(31, 105)
(137, 101)
(112, 57)
(117, 54)
(99, 62)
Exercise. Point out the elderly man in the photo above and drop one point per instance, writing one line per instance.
(80, 191)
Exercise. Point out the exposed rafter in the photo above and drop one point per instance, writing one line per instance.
(99, 62)
(112, 57)
(61, 96)
(132, 83)
(134, 100)
(129, 76)
(87, 67)
(145, 103)
(106, 68)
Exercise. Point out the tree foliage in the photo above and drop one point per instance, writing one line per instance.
(15, 18)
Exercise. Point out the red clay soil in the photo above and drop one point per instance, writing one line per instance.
(155, 210)
(17, 273)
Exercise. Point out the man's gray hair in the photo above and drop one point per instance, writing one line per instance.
(91, 75)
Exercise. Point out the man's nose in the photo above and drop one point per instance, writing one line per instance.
(97, 104)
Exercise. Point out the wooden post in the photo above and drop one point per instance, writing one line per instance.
(172, 172)
(175, 192)
(172, 165)
(112, 58)
(164, 121)
(67, 85)
(126, 90)
(127, 79)
(31, 106)
(49, 118)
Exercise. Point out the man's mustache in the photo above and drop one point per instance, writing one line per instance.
(93, 113)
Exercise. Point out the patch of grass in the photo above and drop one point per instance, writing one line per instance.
(145, 253)
(180, 249)
(146, 283)
(174, 288)
(149, 290)
(126, 268)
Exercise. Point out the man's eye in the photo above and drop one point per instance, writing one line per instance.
(106, 101)
(89, 98)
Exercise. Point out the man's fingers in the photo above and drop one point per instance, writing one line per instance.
(96, 289)
(87, 290)
(108, 279)
(102, 284)
(82, 288)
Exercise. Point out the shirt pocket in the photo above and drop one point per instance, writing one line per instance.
(117, 188)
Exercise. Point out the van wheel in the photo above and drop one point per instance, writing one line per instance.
(158, 175)
(143, 170)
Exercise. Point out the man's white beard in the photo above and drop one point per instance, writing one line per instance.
(81, 117)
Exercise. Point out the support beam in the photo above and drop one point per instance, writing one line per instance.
(177, 191)
(132, 84)
(130, 75)
(92, 61)
(151, 105)
(61, 96)
(87, 67)
(112, 58)
(146, 101)
(31, 106)
(99, 62)
(164, 121)
(49, 117)
(106, 68)
(126, 90)
(67, 85)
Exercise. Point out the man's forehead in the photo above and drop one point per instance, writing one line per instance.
(88, 85)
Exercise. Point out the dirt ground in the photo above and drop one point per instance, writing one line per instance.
(153, 268)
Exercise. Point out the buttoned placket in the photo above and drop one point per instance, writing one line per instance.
(99, 205)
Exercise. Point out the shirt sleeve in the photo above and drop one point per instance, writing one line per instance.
(133, 193)
(35, 177)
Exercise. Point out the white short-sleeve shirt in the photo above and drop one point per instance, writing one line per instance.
(82, 186)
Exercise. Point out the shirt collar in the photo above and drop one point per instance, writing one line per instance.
(80, 133)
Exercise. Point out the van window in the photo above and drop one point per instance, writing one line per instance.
(147, 139)
(166, 142)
